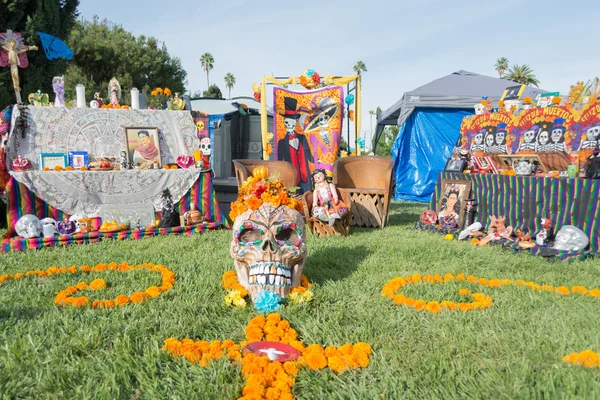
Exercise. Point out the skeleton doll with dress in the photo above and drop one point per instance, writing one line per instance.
(326, 205)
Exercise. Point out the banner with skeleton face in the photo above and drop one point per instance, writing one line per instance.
(488, 133)
(307, 129)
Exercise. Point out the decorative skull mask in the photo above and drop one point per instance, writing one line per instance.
(290, 124)
(268, 249)
(593, 133)
(205, 146)
(500, 137)
(529, 135)
(543, 138)
(556, 135)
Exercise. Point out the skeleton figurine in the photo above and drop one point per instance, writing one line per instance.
(269, 249)
(170, 216)
(592, 137)
(477, 142)
(206, 152)
(528, 142)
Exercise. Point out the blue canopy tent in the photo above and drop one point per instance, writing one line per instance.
(429, 118)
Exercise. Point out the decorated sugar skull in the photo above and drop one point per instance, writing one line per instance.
(269, 249)
(479, 109)
(205, 146)
(28, 226)
(75, 220)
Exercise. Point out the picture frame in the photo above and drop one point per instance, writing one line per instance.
(485, 165)
(52, 160)
(453, 195)
(455, 165)
(513, 92)
(508, 159)
(545, 99)
(78, 159)
(143, 147)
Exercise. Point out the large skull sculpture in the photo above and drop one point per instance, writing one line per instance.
(28, 226)
(571, 238)
(269, 249)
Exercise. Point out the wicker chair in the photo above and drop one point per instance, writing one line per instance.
(341, 227)
(283, 169)
(368, 180)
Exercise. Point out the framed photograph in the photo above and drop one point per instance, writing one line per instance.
(508, 159)
(51, 160)
(143, 148)
(485, 165)
(78, 159)
(455, 165)
(513, 92)
(452, 199)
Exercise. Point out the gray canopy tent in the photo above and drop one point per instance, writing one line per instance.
(429, 118)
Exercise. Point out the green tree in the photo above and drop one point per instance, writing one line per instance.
(28, 17)
(213, 91)
(343, 144)
(386, 141)
(522, 74)
(207, 61)
(229, 82)
(104, 50)
(501, 65)
(360, 67)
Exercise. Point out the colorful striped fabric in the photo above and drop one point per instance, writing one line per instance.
(525, 200)
(22, 201)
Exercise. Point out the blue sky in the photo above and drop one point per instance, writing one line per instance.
(405, 44)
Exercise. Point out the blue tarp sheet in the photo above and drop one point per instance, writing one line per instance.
(421, 149)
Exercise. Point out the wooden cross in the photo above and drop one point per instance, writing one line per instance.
(270, 356)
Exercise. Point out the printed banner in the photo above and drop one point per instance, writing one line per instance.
(307, 130)
(558, 129)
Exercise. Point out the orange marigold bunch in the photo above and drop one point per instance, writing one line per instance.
(587, 358)
(255, 192)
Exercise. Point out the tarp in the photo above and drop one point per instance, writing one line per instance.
(421, 149)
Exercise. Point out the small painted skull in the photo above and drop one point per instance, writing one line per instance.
(269, 249)
(205, 146)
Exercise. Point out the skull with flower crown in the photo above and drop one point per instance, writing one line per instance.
(269, 249)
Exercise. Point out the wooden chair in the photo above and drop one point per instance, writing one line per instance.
(341, 227)
(368, 180)
(281, 169)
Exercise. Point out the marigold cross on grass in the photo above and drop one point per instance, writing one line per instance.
(266, 379)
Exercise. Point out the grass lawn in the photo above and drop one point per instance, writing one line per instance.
(512, 350)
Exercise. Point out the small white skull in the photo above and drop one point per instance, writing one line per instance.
(75, 219)
(205, 146)
(479, 109)
(543, 137)
(500, 137)
(593, 133)
(28, 226)
(529, 135)
(269, 249)
(556, 135)
(489, 140)
(290, 124)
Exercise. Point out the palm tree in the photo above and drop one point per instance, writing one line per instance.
(522, 74)
(501, 65)
(360, 67)
(229, 82)
(207, 60)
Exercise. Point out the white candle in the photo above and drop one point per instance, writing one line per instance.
(135, 99)
(80, 89)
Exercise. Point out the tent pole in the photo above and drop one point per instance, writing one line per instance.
(348, 119)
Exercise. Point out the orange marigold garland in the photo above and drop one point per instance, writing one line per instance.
(236, 293)
(66, 296)
(480, 301)
(587, 358)
(254, 192)
(266, 379)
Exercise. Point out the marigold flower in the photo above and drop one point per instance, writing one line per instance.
(121, 300)
(138, 297)
(98, 284)
(464, 292)
(562, 290)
